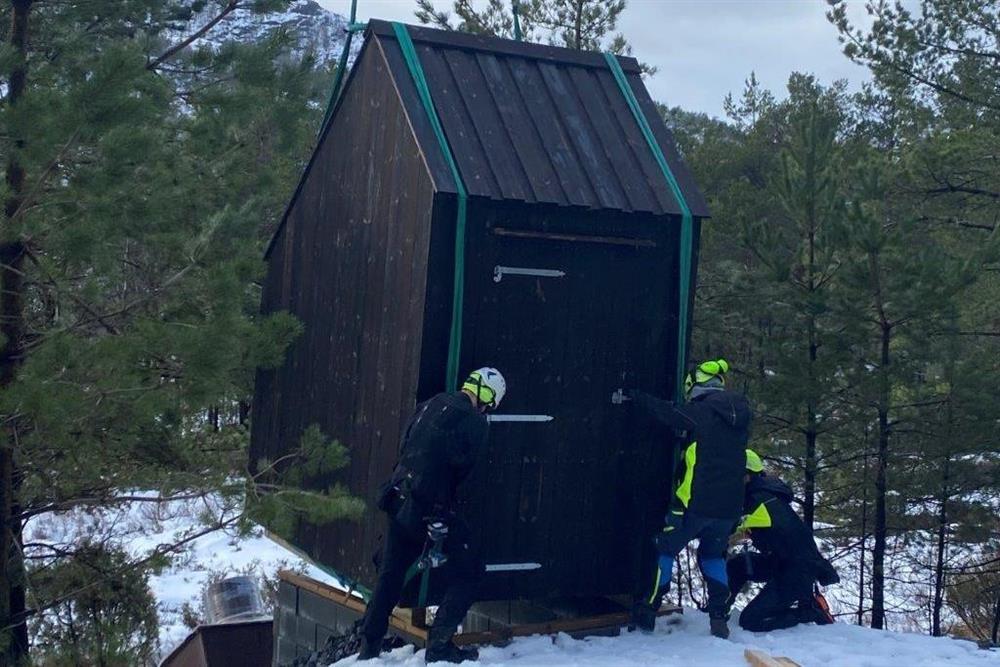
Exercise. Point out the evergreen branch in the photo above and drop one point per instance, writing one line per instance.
(188, 95)
(949, 188)
(876, 55)
(957, 51)
(36, 187)
(958, 223)
(990, 334)
(158, 552)
(112, 329)
(230, 7)
(107, 501)
(973, 567)
(135, 303)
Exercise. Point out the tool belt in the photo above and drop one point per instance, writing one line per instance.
(396, 498)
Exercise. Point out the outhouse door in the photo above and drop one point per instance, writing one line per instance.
(569, 316)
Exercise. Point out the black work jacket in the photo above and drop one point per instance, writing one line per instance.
(777, 531)
(439, 447)
(719, 423)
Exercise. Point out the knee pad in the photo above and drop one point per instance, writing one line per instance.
(666, 565)
(715, 568)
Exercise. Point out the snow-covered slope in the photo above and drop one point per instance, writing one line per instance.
(315, 28)
(685, 642)
(140, 527)
(682, 641)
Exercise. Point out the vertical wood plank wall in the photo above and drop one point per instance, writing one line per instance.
(351, 265)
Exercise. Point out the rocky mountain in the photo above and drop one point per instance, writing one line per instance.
(316, 29)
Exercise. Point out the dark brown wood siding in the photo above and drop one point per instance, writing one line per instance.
(350, 264)
(365, 259)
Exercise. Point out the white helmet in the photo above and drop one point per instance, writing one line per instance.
(487, 385)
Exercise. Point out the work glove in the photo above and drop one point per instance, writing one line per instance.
(437, 531)
(434, 556)
(739, 537)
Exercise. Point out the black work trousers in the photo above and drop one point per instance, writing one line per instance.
(713, 536)
(786, 599)
(403, 546)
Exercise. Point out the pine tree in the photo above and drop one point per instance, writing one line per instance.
(800, 250)
(933, 107)
(143, 173)
(585, 25)
(898, 492)
(901, 284)
(13, 642)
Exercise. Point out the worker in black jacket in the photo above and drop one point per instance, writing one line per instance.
(787, 561)
(441, 442)
(709, 498)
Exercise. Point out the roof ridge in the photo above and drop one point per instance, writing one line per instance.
(531, 50)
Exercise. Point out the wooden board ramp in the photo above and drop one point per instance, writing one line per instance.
(409, 624)
(757, 658)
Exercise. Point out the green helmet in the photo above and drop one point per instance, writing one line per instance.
(754, 462)
(706, 370)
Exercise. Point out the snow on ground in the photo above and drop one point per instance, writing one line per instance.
(212, 555)
(685, 642)
(682, 641)
(142, 526)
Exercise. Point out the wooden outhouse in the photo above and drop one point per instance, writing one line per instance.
(476, 201)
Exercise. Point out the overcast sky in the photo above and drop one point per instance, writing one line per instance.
(707, 48)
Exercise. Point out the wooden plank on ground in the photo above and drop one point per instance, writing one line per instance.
(407, 623)
(589, 624)
(400, 620)
(758, 658)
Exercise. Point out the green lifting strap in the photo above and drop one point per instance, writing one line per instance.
(417, 72)
(687, 223)
(352, 27)
(455, 337)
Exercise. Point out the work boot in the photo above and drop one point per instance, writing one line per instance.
(369, 650)
(820, 610)
(448, 652)
(718, 626)
(643, 617)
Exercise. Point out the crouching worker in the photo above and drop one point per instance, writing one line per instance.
(709, 498)
(787, 561)
(440, 444)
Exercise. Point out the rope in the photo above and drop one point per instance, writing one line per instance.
(687, 224)
(417, 72)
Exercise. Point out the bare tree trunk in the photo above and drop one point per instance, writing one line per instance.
(881, 486)
(13, 626)
(809, 475)
(995, 631)
(578, 26)
(812, 429)
(864, 531)
(942, 546)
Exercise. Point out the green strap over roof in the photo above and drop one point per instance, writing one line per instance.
(417, 72)
(458, 294)
(687, 223)
(352, 27)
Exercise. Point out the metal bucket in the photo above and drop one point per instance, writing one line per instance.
(233, 599)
